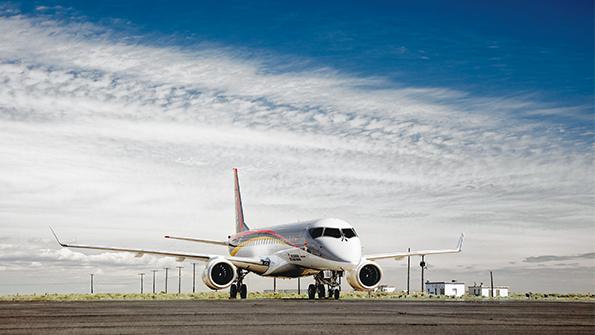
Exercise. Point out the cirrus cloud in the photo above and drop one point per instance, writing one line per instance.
(103, 132)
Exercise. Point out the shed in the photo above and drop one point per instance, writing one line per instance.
(452, 288)
(484, 291)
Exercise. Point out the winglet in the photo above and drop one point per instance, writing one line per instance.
(460, 244)
(56, 237)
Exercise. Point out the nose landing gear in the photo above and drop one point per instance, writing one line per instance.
(332, 279)
(239, 286)
(321, 291)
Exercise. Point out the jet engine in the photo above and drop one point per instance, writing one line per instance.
(219, 273)
(365, 277)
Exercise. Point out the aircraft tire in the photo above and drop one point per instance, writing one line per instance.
(243, 291)
(337, 294)
(321, 292)
(311, 291)
(233, 291)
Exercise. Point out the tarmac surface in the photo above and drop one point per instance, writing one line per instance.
(297, 316)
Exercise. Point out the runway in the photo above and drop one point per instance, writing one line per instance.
(297, 317)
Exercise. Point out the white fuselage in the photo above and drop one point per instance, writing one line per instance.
(295, 250)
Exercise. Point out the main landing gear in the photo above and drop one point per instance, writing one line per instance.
(238, 286)
(332, 280)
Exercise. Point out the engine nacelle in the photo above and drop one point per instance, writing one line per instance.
(219, 273)
(365, 277)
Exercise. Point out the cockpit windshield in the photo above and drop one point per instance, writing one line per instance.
(332, 232)
(348, 232)
(316, 232)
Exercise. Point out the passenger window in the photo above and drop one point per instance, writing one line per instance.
(316, 232)
(349, 233)
(332, 232)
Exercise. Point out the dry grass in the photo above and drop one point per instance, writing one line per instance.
(223, 295)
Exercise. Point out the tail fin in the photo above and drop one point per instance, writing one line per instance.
(240, 224)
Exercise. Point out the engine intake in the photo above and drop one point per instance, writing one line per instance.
(365, 277)
(219, 274)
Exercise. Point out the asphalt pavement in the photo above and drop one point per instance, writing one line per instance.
(297, 317)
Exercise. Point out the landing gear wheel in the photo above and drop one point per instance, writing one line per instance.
(326, 280)
(233, 291)
(243, 291)
(321, 291)
(311, 291)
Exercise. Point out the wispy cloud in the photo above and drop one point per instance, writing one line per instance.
(99, 131)
(36, 253)
(552, 258)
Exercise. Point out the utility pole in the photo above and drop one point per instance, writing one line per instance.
(166, 272)
(193, 277)
(154, 280)
(408, 269)
(92, 275)
(422, 264)
(491, 285)
(179, 278)
(142, 275)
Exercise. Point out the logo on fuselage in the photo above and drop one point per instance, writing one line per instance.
(295, 257)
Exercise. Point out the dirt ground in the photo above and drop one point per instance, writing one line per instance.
(297, 316)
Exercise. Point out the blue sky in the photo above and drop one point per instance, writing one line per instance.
(515, 48)
(413, 122)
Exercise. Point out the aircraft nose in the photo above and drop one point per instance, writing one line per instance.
(344, 250)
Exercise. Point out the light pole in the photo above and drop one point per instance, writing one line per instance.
(154, 280)
(193, 277)
(422, 264)
(166, 272)
(142, 275)
(491, 285)
(179, 278)
(408, 269)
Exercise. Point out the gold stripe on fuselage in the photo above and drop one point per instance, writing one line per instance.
(253, 240)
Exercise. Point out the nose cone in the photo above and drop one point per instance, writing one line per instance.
(343, 250)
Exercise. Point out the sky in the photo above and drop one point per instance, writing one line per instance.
(120, 122)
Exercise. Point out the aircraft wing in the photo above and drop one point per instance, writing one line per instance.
(199, 240)
(240, 262)
(401, 255)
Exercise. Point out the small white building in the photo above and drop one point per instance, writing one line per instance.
(453, 288)
(484, 291)
(386, 288)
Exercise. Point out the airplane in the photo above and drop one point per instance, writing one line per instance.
(327, 249)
